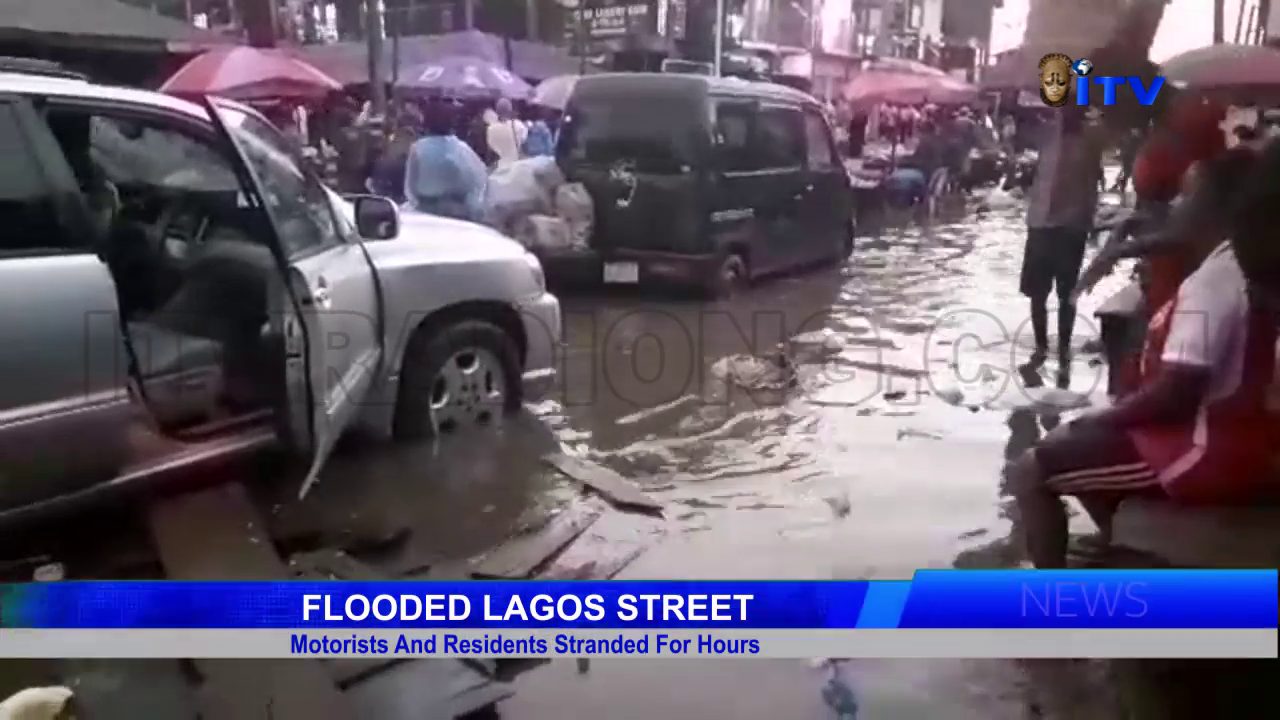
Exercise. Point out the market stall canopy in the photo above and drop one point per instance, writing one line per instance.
(464, 77)
(247, 73)
(877, 86)
(1226, 67)
(105, 23)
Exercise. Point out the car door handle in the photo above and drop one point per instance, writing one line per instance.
(319, 297)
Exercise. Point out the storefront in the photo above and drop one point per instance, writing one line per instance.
(830, 73)
(634, 34)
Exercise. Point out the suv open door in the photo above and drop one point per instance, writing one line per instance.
(329, 313)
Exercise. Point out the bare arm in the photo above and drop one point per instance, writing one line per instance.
(1172, 398)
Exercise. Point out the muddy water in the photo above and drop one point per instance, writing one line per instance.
(885, 457)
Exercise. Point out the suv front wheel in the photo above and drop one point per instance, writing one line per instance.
(461, 376)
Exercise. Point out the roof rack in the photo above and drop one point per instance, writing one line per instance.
(33, 66)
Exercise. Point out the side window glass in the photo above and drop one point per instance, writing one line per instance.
(822, 155)
(27, 211)
(136, 154)
(733, 137)
(298, 204)
(779, 140)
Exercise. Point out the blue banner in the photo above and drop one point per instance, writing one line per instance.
(933, 599)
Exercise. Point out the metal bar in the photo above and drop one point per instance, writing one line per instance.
(719, 42)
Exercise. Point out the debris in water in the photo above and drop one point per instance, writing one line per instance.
(613, 487)
(839, 504)
(776, 372)
(37, 703)
(646, 413)
(910, 433)
(837, 694)
(50, 572)
(584, 665)
(950, 395)
(895, 395)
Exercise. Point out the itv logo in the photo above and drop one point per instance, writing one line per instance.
(1056, 68)
(1143, 93)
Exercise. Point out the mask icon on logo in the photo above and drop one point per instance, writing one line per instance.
(1055, 78)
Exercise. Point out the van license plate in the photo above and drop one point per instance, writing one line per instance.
(621, 272)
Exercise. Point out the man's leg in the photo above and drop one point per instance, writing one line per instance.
(1092, 462)
(1068, 258)
(1041, 512)
(1040, 321)
(1036, 281)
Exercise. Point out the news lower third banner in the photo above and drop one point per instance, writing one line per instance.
(938, 613)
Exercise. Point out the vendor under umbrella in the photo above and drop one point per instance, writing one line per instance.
(443, 175)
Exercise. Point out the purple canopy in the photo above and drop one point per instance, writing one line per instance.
(464, 77)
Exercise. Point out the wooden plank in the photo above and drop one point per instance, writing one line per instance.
(427, 688)
(334, 564)
(609, 484)
(349, 671)
(605, 549)
(522, 554)
(217, 534)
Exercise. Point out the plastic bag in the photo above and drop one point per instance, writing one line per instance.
(543, 232)
(523, 188)
(573, 205)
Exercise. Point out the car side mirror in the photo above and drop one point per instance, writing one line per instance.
(377, 218)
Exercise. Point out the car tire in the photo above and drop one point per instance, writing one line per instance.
(730, 277)
(464, 373)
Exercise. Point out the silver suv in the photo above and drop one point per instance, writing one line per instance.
(176, 291)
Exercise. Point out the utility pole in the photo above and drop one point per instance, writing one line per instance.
(1219, 9)
(469, 14)
(373, 37)
(1264, 21)
(719, 42)
(531, 23)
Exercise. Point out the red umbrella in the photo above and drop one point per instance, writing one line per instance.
(877, 86)
(1226, 67)
(248, 73)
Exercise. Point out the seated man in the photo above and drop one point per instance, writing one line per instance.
(1199, 430)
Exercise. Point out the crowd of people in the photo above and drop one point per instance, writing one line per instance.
(1193, 419)
(433, 154)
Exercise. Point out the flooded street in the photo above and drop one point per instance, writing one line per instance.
(884, 457)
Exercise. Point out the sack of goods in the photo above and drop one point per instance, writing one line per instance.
(573, 205)
(523, 188)
(543, 232)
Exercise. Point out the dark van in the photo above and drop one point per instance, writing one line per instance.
(703, 181)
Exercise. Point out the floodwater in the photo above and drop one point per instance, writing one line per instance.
(886, 457)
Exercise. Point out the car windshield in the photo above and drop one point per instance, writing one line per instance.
(605, 131)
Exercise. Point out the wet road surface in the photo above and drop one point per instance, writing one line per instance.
(885, 458)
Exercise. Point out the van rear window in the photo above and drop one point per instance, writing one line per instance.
(658, 137)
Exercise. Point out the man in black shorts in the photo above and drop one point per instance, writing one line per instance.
(1059, 217)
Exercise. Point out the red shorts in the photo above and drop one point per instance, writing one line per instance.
(1090, 458)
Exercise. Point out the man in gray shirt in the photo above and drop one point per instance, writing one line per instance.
(1060, 214)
